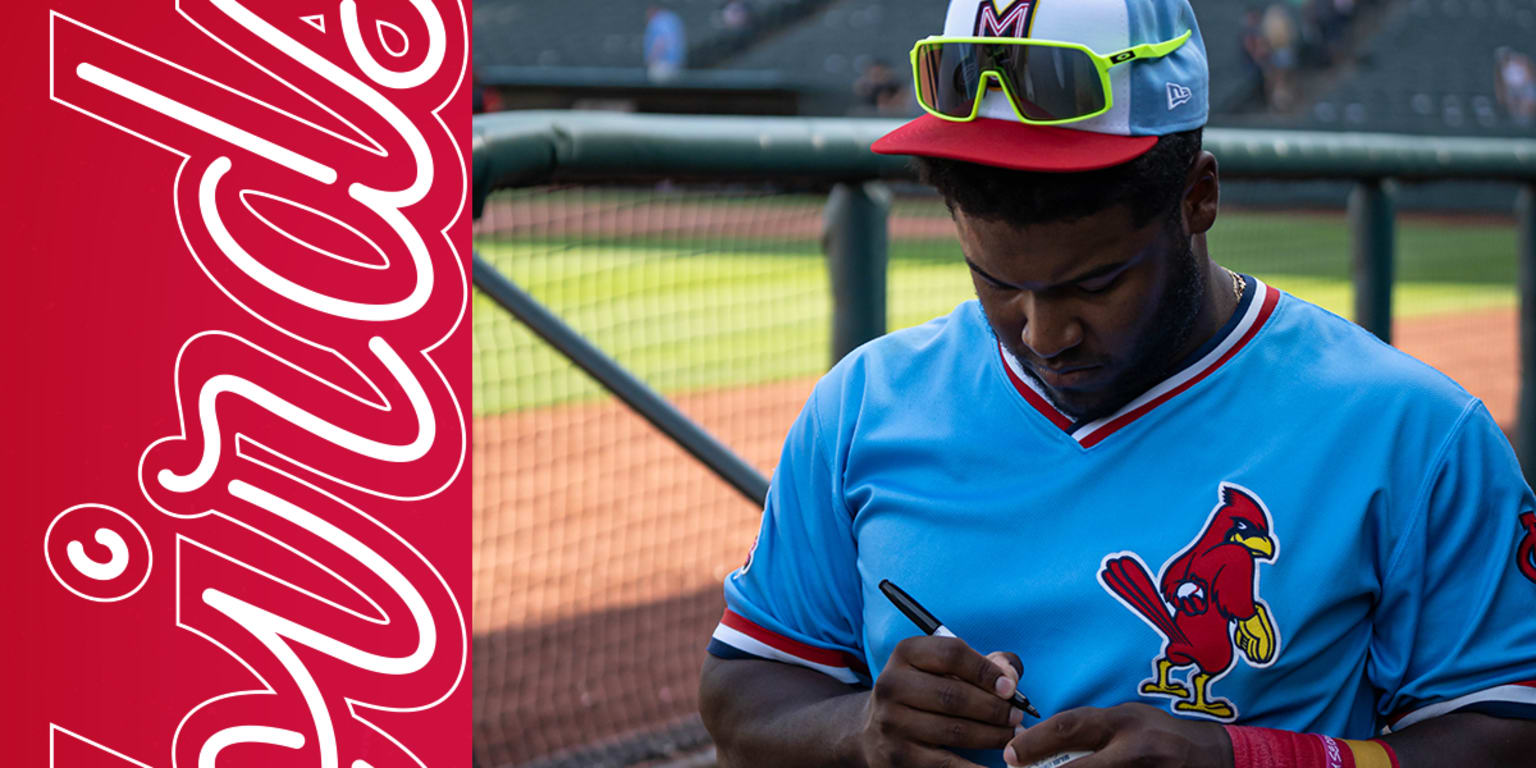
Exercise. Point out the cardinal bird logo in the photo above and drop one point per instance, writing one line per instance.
(1205, 603)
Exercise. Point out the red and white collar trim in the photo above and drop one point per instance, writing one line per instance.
(1259, 304)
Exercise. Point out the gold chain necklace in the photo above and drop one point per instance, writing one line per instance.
(1238, 284)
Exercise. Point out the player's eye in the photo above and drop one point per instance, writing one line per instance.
(1098, 284)
(993, 282)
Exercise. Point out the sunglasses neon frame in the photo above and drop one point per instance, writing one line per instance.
(1101, 62)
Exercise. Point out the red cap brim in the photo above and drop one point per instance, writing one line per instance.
(1012, 144)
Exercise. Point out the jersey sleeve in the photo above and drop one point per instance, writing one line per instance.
(797, 599)
(1455, 628)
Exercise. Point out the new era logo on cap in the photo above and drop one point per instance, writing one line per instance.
(1178, 94)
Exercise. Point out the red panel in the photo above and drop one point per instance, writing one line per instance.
(237, 358)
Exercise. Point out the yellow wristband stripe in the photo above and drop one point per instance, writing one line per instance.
(1369, 754)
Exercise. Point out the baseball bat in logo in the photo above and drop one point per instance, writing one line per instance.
(317, 187)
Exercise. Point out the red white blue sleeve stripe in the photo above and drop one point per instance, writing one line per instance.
(737, 637)
(1513, 700)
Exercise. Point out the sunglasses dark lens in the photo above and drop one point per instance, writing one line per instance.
(947, 77)
(1052, 83)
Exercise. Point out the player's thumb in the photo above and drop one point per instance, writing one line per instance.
(1008, 663)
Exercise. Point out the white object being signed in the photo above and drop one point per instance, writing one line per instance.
(1060, 758)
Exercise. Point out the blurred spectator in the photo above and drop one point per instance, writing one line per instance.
(1255, 58)
(1279, 39)
(1320, 32)
(736, 14)
(1515, 84)
(666, 46)
(879, 90)
(1279, 33)
(481, 98)
(1335, 18)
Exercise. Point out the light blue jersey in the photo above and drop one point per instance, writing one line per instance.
(1303, 529)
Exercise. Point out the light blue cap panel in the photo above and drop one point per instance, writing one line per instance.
(1170, 94)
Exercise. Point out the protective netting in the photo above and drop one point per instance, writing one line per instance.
(600, 545)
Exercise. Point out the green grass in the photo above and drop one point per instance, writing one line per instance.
(701, 313)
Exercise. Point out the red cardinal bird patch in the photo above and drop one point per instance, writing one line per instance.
(1205, 603)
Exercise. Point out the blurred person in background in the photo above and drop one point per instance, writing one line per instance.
(1334, 16)
(666, 44)
(880, 91)
(1515, 84)
(481, 98)
(1319, 31)
(735, 14)
(1255, 59)
(1280, 38)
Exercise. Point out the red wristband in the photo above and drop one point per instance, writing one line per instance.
(1268, 748)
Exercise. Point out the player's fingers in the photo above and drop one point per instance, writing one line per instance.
(943, 695)
(954, 732)
(951, 656)
(1081, 729)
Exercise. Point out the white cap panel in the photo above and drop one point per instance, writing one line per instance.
(1104, 26)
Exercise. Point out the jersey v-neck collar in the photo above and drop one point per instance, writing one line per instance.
(1255, 307)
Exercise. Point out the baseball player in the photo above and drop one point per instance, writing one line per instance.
(1196, 521)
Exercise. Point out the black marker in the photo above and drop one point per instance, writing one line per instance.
(933, 627)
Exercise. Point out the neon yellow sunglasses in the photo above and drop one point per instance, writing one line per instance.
(1048, 82)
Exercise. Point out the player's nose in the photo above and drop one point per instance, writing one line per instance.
(1050, 328)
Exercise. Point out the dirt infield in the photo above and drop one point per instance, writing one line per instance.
(1478, 349)
(600, 546)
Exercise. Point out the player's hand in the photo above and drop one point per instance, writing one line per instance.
(937, 693)
(1124, 735)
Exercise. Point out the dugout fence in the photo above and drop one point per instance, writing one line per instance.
(708, 269)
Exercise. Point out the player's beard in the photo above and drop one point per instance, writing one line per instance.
(1155, 353)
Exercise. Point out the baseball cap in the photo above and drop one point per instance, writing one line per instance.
(1151, 98)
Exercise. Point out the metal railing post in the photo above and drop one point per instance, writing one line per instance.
(1525, 246)
(1371, 230)
(854, 239)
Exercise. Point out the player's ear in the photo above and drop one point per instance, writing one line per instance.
(1202, 193)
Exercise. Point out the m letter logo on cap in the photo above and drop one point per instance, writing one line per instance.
(1177, 94)
(1003, 18)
